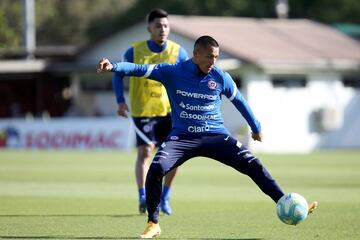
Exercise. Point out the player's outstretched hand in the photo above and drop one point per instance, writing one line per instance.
(104, 65)
(257, 136)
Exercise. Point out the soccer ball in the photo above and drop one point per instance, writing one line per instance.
(292, 208)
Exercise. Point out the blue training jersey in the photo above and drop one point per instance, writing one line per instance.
(195, 97)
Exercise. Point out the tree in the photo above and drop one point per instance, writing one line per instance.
(80, 22)
(66, 21)
(10, 24)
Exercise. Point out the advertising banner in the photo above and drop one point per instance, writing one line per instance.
(67, 133)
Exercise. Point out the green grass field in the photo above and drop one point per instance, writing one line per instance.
(92, 195)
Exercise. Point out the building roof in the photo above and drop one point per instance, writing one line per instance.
(286, 46)
(275, 43)
(43, 65)
(49, 58)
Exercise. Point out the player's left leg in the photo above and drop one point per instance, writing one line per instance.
(312, 206)
(234, 154)
(231, 152)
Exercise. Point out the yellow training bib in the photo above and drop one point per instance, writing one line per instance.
(148, 98)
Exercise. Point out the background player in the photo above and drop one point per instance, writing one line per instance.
(149, 104)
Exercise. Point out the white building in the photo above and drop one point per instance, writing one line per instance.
(301, 78)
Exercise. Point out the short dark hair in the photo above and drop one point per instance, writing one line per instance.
(205, 41)
(156, 13)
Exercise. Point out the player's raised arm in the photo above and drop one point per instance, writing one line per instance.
(124, 68)
(156, 72)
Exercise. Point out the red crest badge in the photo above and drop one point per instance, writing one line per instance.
(212, 84)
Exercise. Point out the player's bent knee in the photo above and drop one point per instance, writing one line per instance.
(145, 151)
(155, 171)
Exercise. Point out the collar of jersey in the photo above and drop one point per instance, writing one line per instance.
(154, 47)
(194, 68)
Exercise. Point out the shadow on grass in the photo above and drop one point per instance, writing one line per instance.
(75, 215)
(99, 237)
(221, 238)
(62, 237)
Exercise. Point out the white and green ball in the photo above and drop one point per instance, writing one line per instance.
(292, 208)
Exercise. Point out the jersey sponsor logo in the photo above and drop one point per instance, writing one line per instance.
(196, 95)
(182, 104)
(202, 117)
(212, 84)
(198, 129)
(197, 107)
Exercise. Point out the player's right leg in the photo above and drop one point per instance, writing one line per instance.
(171, 154)
(162, 129)
(152, 230)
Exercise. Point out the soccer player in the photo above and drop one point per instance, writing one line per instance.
(149, 104)
(194, 88)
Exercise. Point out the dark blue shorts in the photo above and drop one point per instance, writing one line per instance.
(177, 149)
(223, 148)
(152, 130)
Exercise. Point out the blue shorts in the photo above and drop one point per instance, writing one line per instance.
(152, 130)
(223, 148)
(177, 149)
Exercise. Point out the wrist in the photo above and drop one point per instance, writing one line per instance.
(114, 65)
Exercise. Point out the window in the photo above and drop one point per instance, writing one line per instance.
(95, 85)
(351, 81)
(289, 81)
(237, 79)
